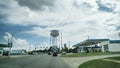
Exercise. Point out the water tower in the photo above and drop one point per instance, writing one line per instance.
(54, 38)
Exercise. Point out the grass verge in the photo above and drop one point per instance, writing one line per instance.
(88, 54)
(100, 64)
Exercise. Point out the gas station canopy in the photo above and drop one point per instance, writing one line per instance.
(90, 42)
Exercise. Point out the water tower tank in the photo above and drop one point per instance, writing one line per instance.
(54, 33)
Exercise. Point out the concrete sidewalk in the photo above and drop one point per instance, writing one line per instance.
(74, 62)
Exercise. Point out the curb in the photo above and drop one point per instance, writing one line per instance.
(12, 56)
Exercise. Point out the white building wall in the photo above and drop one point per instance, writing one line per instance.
(115, 47)
(102, 44)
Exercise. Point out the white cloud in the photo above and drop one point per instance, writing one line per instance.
(39, 31)
(8, 35)
(17, 43)
(20, 44)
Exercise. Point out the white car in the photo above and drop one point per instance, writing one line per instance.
(63, 53)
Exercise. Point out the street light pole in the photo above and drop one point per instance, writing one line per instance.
(10, 43)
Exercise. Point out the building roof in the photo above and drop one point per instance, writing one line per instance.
(3, 45)
(114, 41)
(90, 42)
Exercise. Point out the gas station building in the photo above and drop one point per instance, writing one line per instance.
(98, 45)
(1, 48)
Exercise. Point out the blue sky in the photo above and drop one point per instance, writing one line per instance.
(14, 29)
(75, 19)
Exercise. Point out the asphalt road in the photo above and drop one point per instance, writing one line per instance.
(36, 61)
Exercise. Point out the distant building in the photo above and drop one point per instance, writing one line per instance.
(114, 45)
(1, 48)
(98, 45)
(1, 52)
(18, 52)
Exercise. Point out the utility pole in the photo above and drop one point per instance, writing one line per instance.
(119, 35)
(35, 50)
(30, 47)
(88, 37)
(50, 41)
(69, 44)
(61, 41)
(9, 45)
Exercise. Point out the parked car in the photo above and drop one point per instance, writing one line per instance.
(54, 53)
(5, 53)
(49, 53)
